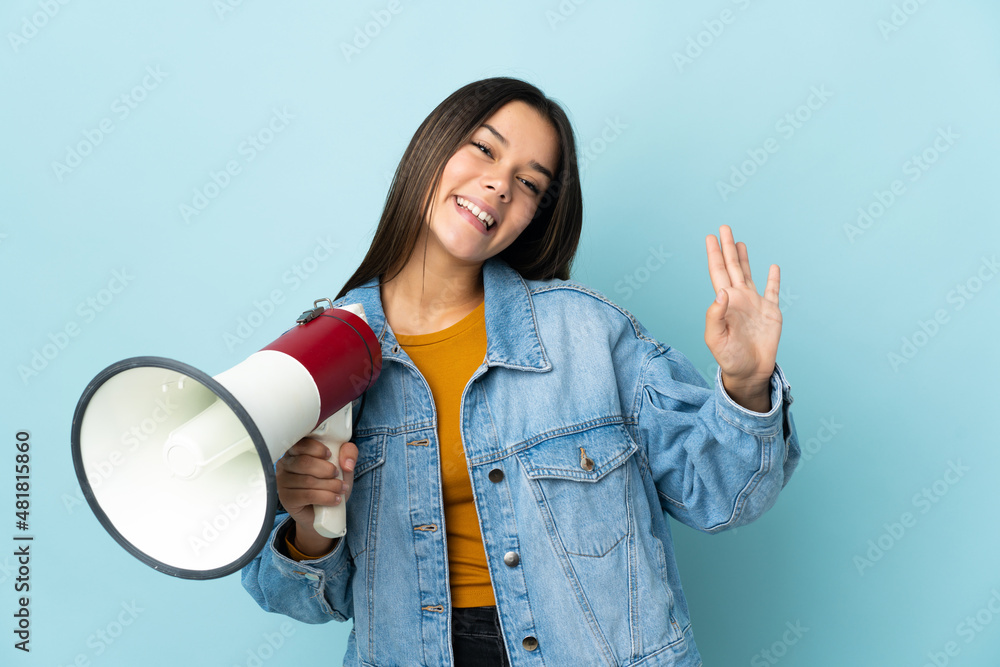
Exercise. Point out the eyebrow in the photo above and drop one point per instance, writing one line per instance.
(534, 165)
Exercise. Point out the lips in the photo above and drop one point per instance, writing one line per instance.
(474, 219)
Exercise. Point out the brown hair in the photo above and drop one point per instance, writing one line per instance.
(546, 247)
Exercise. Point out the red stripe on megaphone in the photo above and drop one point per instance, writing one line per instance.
(341, 353)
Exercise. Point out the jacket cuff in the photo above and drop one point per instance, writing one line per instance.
(754, 423)
(313, 569)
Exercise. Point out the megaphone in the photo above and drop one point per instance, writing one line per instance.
(178, 466)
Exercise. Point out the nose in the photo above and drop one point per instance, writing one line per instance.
(502, 194)
(496, 182)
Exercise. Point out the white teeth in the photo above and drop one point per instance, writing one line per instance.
(483, 216)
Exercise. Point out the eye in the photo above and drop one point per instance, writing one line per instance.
(486, 150)
(483, 147)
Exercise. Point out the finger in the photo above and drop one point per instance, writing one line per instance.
(297, 491)
(715, 317)
(348, 456)
(294, 499)
(307, 465)
(731, 255)
(348, 459)
(741, 249)
(292, 481)
(309, 447)
(773, 286)
(716, 264)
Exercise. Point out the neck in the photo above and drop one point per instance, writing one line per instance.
(431, 293)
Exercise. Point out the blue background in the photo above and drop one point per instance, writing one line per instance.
(667, 100)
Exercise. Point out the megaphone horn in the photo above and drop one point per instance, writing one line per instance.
(178, 466)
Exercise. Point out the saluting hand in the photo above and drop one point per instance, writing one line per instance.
(742, 327)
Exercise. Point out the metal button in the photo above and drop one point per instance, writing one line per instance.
(511, 559)
(496, 475)
(530, 643)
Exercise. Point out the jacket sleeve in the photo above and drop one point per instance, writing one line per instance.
(311, 591)
(715, 464)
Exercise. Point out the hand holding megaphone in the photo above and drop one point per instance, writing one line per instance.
(314, 480)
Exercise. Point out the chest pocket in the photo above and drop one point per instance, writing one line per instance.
(581, 482)
(362, 506)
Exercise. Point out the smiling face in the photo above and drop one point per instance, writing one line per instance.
(492, 185)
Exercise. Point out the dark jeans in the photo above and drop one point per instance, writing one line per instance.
(476, 638)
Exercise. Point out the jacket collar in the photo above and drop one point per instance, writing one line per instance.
(512, 339)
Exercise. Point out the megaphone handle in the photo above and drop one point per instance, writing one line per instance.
(332, 521)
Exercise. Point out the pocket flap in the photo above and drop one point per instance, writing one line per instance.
(586, 455)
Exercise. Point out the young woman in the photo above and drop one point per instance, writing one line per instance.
(514, 464)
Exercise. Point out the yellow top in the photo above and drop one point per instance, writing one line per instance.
(447, 359)
(298, 555)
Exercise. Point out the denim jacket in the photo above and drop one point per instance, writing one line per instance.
(581, 433)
